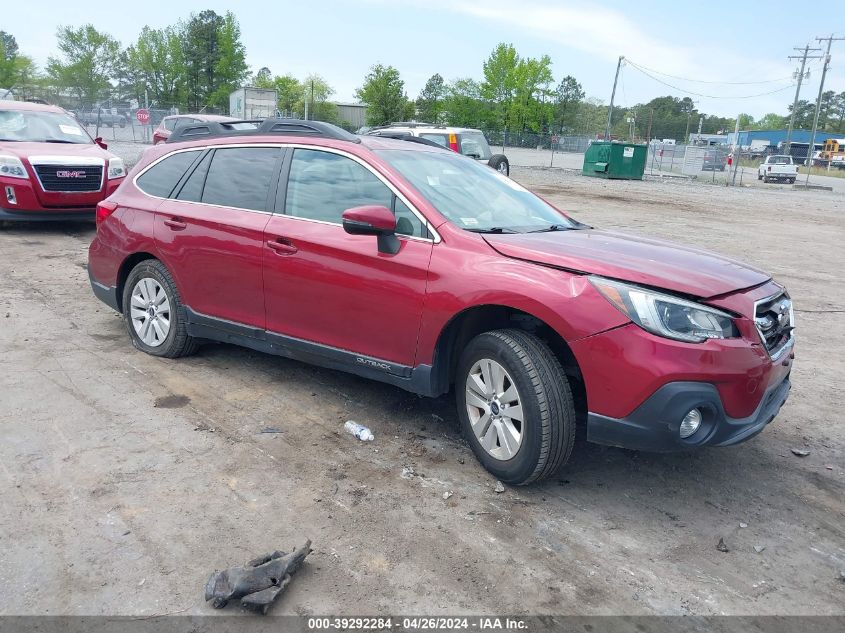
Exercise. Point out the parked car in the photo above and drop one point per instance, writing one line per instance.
(169, 123)
(777, 167)
(416, 266)
(466, 141)
(50, 167)
(105, 118)
(714, 160)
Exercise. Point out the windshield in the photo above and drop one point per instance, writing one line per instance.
(780, 160)
(475, 145)
(41, 127)
(474, 196)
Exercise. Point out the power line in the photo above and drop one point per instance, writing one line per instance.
(706, 81)
(699, 94)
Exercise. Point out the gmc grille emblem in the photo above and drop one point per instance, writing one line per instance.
(65, 173)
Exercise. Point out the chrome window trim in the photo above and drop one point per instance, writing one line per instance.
(69, 161)
(777, 353)
(435, 239)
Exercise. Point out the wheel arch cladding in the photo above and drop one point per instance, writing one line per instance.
(469, 323)
(125, 268)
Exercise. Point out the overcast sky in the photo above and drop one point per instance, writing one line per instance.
(739, 41)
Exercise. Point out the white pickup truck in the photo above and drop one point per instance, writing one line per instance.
(777, 168)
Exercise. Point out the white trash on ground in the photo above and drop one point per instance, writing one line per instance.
(359, 430)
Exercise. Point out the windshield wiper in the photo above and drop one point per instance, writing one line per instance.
(495, 229)
(553, 227)
(57, 140)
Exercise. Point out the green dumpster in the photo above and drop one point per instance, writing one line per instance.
(613, 159)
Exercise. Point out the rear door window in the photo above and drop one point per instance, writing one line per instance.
(192, 189)
(160, 179)
(440, 139)
(240, 177)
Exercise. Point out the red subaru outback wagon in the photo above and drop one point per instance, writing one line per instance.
(416, 266)
(50, 168)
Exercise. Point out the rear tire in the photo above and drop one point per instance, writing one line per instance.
(500, 163)
(534, 387)
(150, 286)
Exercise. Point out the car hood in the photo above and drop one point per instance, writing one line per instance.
(25, 150)
(639, 260)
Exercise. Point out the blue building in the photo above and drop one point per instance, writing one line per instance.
(776, 137)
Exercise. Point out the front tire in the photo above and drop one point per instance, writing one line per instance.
(152, 312)
(515, 406)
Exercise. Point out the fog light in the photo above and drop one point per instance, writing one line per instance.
(10, 195)
(690, 423)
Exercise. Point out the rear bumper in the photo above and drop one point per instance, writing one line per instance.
(106, 294)
(654, 425)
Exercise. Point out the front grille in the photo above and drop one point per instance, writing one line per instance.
(774, 319)
(74, 178)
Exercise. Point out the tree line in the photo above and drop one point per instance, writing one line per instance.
(196, 63)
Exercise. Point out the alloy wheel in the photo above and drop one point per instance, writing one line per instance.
(495, 409)
(150, 311)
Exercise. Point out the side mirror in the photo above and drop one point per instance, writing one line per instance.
(99, 141)
(373, 220)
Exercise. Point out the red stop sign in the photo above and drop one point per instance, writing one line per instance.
(143, 116)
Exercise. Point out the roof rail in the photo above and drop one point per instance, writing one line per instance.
(406, 136)
(258, 127)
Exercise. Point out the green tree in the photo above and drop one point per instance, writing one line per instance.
(290, 93)
(568, 95)
(838, 113)
(263, 78)
(384, 94)
(499, 85)
(772, 121)
(86, 64)
(316, 91)
(200, 43)
(804, 114)
(531, 77)
(430, 103)
(15, 69)
(230, 70)
(464, 106)
(156, 65)
(591, 117)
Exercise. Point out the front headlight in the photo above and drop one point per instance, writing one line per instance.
(12, 167)
(666, 315)
(116, 168)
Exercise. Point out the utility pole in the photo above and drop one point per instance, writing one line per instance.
(803, 57)
(612, 97)
(650, 121)
(736, 151)
(812, 147)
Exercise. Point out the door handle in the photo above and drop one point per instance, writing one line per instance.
(176, 224)
(282, 246)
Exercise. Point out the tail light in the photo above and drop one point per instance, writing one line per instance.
(453, 143)
(770, 168)
(104, 210)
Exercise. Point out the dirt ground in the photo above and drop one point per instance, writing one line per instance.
(127, 479)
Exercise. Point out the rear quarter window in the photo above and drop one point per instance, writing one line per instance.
(160, 179)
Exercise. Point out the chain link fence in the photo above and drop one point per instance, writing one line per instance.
(125, 123)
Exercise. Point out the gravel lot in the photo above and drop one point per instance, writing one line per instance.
(128, 479)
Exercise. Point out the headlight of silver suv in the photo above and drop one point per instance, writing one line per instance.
(665, 315)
